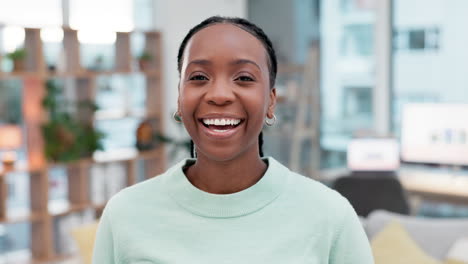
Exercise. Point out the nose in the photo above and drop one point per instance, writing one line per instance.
(220, 93)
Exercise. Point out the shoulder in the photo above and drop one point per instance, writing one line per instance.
(314, 193)
(315, 199)
(320, 209)
(311, 189)
(326, 208)
(323, 198)
(132, 198)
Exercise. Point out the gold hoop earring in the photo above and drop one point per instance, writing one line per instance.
(270, 122)
(177, 117)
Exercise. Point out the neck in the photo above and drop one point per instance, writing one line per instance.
(224, 177)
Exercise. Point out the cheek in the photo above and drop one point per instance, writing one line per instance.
(187, 107)
(187, 103)
(256, 106)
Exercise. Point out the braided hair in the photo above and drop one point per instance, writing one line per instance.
(250, 28)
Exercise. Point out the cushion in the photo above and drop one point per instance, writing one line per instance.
(451, 261)
(393, 245)
(435, 236)
(84, 237)
(458, 253)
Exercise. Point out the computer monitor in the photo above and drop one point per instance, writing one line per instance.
(435, 133)
(373, 154)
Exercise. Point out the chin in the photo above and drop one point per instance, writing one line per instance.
(221, 154)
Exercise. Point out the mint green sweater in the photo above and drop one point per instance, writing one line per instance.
(283, 218)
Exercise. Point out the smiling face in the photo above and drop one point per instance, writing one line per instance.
(224, 92)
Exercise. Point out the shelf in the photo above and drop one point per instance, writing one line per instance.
(149, 154)
(45, 75)
(67, 259)
(89, 73)
(125, 155)
(101, 115)
(62, 208)
(104, 115)
(152, 73)
(24, 257)
(81, 74)
(93, 74)
(18, 168)
(17, 257)
(99, 206)
(71, 164)
(19, 75)
(79, 83)
(19, 216)
(120, 155)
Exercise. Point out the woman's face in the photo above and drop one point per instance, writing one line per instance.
(224, 93)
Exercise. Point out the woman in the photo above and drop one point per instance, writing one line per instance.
(229, 205)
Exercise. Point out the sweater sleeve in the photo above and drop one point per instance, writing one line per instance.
(103, 252)
(351, 244)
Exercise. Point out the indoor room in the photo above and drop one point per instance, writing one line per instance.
(129, 134)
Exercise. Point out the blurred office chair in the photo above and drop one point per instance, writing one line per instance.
(368, 191)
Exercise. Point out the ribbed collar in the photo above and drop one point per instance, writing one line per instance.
(247, 201)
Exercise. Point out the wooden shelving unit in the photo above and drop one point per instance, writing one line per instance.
(42, 211)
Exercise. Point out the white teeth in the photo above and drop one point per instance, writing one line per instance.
(221, 121)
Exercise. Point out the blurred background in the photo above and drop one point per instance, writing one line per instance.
(373, 102)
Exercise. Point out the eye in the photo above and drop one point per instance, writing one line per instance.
(198, 77)
(244, 78)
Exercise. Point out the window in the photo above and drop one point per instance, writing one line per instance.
(430, 55)
(95, 16)
(417, 39)
(37, 14)
(348, 75)
(357, 40)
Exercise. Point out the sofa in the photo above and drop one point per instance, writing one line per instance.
(434, 236)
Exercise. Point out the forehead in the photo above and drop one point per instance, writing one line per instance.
(225, 41)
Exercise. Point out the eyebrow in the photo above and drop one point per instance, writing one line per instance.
(235, 62)
(200, 62)
(244, 61)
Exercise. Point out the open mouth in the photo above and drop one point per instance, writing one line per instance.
(220, 125)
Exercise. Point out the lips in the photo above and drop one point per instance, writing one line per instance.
(220, 127)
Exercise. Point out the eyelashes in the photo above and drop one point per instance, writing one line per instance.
(198, 77)
(242, 78)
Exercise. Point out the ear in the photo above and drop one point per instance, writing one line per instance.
(178, 104)
(272, 104)
(178, 97)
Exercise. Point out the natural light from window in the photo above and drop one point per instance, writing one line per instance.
(96, 19)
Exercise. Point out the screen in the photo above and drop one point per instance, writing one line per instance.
(373, 154)
(435, 133)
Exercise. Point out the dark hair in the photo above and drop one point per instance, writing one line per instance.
(250, 28)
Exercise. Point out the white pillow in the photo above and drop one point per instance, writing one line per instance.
(459, 251)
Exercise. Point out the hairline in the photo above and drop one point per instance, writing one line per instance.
(246, 29)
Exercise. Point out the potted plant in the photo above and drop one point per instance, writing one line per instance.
(144, 60)
(66, 137)
(18, 56)
(98, 63)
